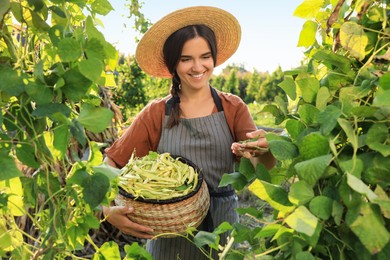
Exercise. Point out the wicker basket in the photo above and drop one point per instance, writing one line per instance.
(173, 216)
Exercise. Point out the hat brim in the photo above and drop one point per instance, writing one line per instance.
(227, 30)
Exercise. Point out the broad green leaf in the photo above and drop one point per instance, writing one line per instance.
(236, 179)
(383, 201)
(309, 87)
(328, 119)
(294, 128)
(288, 85)
(10, 237)
(95, 155)
(352, 166)
(95, 119)
(323, 97)
(4, 6)
(102, 7)
(302, 220)
(312, 170)
(367, 224)
(305, 256)
(282, 104)
(111, 172)
(254, 212)
(109, 250)
(353, 39)
(321, 206)
(378, 138)
(91, 30)
(222, 228)
(360, 187)
(276, 196)
(44, 110)
(246, 168)
(308, 9)
(77, 131)
(26, 154)
(95, 49)
(308, 33)
(61, 140)
(364, 111)
(11, 81)
(350, 132)
(91, 69)
(384, 81)
(41, 94)
(69, 49)
(136, 251)
(382, 98)
(333, 61)
(262, 173)
(203, 238)
(313, 145)
(300, 193)
(76, 85)
(38, 22)
(269, 230)
(337, 212)
(283, 150)
(308, 114)
(8, 169)
(95, 188)
(13, 188)
(276, 112)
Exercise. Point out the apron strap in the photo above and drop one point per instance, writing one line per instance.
(173, 100)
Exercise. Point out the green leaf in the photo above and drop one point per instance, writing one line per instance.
(250, 211)
(69, 49)
(323, 97)
(313, 145)
(95, 49)
(269, 230)
(302, 220)
(222, 228)
(294, 128)
(305, 256)
(337, 212)
(38, 22)
(61, 140)
(102, 7)
(360, 187)
(283, 150)
(275, 111)
(109, 250)
(382, 98)
(300, 193)
(333, 61)
(78, 177)
(364, 111)
(288, 85)
(136, 251)
(309, 87)
(353, 39)
(308, 33)
(384, 81)
(308, 9)
(328, 119)
(378, 138)
(308, 114)
(8, 169)
(312, 170)
(95, 188)
(236, 179)
(76, 85)
(41, 94)
(4, 6)
(322, 207)
(95, 119)
(367, 224)
(26, 154)
(11, 81)
(349, 131)
(92, 69)
(203, 238)
(91, 30)
(276, 196)
(95, 155)
(262, 173)
(352, 166)
(246, 168)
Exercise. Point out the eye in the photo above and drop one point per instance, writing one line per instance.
(184, 59)
(208, 56)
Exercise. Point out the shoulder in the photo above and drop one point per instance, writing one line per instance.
(230, 100)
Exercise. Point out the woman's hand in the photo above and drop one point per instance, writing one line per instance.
(255, 147)
(117, 216)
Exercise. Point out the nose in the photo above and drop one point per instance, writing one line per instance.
(197, 65)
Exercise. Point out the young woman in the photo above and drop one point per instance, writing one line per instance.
(195, 121)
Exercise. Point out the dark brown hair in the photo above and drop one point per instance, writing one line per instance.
(172, 50)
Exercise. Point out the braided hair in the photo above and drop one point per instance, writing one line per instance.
(172, 50)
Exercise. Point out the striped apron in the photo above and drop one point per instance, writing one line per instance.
(206, 141)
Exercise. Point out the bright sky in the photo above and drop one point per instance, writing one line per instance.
(270, 32)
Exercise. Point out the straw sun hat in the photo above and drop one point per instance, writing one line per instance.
(227, 30)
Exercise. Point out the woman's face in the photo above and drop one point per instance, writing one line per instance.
(196, 64)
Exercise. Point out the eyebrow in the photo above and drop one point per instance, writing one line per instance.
(189, 56)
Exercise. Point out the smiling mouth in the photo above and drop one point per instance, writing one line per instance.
(198, 76)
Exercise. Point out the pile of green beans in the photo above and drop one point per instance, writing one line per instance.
(158, 176)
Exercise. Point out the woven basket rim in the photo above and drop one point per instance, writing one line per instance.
(173, 200)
